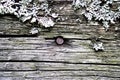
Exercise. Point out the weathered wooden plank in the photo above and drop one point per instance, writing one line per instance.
(76, 30)
(80, 32)
(10, 25)
(40, 59)
(32, 55)
(64, 75)
(23, 43)
(58, 78)
(49, 66)
(39, 49)
(68, 24)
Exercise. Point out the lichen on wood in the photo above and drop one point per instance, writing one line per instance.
(98, 10)
(26, 10)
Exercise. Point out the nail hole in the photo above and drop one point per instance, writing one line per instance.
(59, 40)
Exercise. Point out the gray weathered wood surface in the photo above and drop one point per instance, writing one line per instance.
(38, 58)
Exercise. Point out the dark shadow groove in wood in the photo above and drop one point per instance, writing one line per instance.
(94, 75)
(24, 35)
(85, 76)
(47, 70)
(20, 49)
(64, 62)
(81, 39)
(17, 70)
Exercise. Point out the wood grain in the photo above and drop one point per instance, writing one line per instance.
(39, 58)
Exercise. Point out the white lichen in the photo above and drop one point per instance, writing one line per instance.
(46, 21)
(25, 11)
(98, 46)
(54, 15)
(78, 3)
(98, 10)
(34, 31)
(45, 7)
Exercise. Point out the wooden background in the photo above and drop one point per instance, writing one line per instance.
(39, 58)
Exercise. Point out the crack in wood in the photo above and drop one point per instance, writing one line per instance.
(58, 70)
(24, 35)
(64, 62)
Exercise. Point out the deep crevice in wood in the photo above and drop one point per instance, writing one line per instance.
(24, 35)
(64, 62)
(46, 70)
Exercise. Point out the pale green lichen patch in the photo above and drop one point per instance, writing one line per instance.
(98, 10)
(25, 10)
